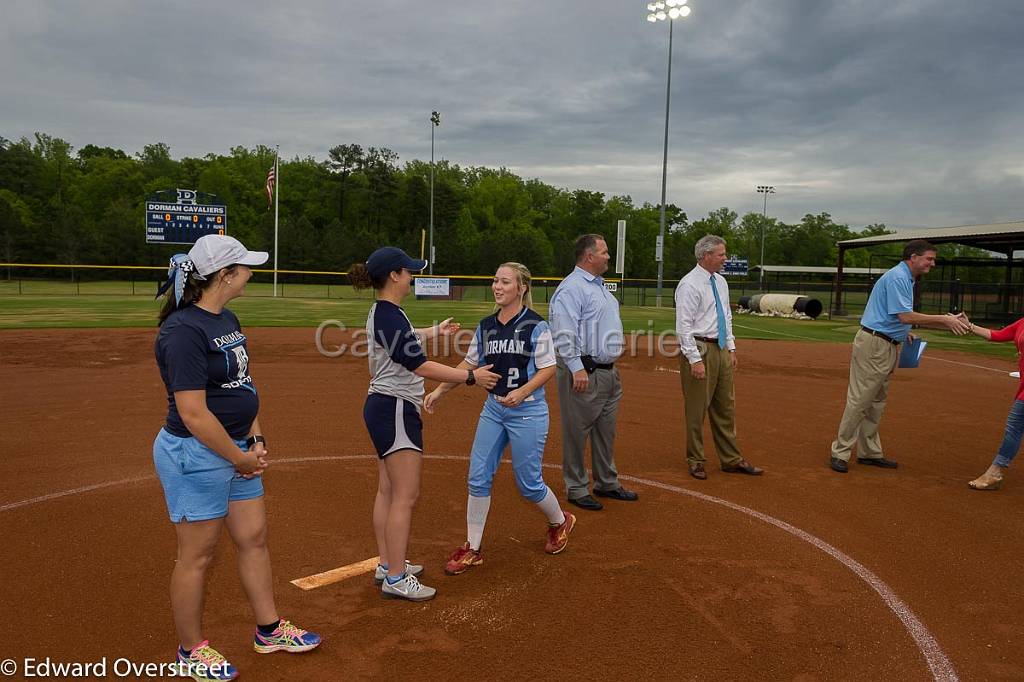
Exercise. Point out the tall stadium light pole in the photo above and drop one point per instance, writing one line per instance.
(765, 190)
(665, 10)
(435, 120)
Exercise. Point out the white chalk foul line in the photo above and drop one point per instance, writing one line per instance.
(940, 666)
(964, 364)
(73, 491)
(772, 331)
(938, 663)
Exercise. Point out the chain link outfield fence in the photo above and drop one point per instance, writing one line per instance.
(982, 301)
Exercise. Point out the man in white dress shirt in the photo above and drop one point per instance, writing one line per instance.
(708, 360)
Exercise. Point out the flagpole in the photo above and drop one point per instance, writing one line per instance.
(277, 199)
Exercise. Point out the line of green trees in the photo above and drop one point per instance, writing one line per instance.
(59, 205)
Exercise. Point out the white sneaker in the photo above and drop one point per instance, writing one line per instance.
(410, 569)
(407, 588)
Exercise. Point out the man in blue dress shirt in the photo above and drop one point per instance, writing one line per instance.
(885, 324)
(588, 340)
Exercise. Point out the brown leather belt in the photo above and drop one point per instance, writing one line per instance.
(706, 339)
(880, 335)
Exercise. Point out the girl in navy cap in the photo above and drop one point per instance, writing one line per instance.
(392, 410)
(517, 342)
(210, 454)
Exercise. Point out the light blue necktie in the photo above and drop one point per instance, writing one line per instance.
(720, 312)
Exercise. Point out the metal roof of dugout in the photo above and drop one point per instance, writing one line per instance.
(1004, 238)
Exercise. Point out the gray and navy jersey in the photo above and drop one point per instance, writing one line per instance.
(395, 353)
(516, 349)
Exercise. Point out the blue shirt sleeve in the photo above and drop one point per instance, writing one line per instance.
(565, 311)
(899, 296)
(394, 332)
(185, 352)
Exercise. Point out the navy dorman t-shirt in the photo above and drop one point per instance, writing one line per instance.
(197, 350)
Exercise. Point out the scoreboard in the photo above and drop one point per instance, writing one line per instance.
(182, 219)
(736, 267)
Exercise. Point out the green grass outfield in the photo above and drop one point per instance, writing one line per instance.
(112, 311)
(469, 290)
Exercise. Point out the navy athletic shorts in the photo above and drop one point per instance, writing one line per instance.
(394, 424)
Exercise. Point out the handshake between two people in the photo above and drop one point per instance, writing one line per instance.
(958, 323)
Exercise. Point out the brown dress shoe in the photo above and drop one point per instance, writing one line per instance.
(743, 467)
(697, 471)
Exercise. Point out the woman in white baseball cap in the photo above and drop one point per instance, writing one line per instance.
(210, 453)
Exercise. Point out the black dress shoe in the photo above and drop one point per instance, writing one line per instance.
(878, 462)
(838, 465)
(587, 502)
(619, 493)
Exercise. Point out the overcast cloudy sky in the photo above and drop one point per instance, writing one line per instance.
(906, 112)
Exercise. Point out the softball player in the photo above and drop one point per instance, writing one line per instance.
(397, 367)
(210, 454)
(517, 343)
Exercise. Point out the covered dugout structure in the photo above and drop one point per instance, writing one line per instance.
(1004, 238)
(802, 272)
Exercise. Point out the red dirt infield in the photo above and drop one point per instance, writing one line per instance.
(670, 587)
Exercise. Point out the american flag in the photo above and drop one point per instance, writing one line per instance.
(270, 186)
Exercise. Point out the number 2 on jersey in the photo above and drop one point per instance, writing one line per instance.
(513, 377)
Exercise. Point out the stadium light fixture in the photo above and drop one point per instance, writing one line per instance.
(677, 10)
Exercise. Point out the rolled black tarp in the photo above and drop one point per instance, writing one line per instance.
(782, 304)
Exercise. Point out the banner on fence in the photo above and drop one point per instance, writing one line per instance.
(432, 286)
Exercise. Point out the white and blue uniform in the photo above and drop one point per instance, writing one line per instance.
(516, 350)
(392, 409)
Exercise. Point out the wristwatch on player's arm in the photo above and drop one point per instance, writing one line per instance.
(470, 379)
(252, 440)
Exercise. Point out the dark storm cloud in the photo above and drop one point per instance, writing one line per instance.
(903, 113)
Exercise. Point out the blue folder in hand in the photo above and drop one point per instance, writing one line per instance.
(910, 355)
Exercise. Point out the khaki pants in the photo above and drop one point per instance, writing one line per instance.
(589, 414)
(713, 395)
(871, 366)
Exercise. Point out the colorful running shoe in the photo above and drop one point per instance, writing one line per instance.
(286, 637)
(462, 559)
(558, 536)
(381, 572)
(407, 588)
(205, 664)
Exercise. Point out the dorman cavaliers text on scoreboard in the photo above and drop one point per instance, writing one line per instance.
(185, 220)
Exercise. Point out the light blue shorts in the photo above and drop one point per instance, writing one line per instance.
(198, 483)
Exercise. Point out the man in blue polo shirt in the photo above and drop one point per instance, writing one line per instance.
(885, 324)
